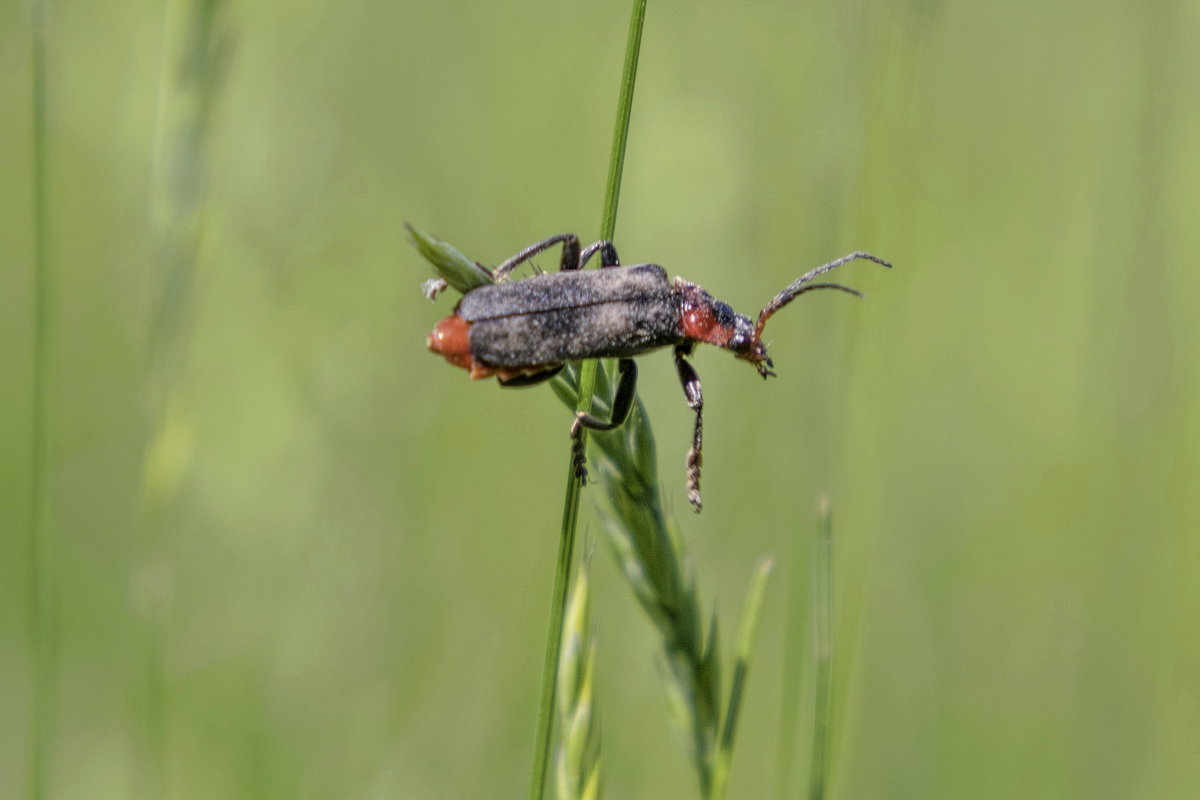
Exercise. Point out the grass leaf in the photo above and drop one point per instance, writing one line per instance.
(452, 267)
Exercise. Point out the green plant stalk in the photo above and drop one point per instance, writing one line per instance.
(562, 570)
(747, 634)
(823, 635)
(616, 164)
(651, 554)
(587, 384)
(40, 598)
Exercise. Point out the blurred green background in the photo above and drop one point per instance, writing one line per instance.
(289, 553)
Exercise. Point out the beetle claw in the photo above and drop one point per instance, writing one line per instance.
(433, 286)
(577, 455)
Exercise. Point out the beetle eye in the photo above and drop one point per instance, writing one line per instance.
(741, 336)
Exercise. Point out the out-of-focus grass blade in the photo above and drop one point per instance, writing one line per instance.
(452, 266)
(791, 685)
(823, 635)
(747, 634)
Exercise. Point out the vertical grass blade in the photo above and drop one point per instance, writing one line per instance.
(616, 164)
(566, 548)
(586, 385)
(823, 646)
(41, 624)
(747, 634)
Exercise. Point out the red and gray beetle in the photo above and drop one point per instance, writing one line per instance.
(524, 331)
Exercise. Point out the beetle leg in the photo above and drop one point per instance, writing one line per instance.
(695, 401)
(531, 379)
(608, 254)
(622, 403)
(570, 255)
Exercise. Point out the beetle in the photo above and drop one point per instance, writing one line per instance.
(522, 332)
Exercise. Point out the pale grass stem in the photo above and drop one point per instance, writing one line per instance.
(578, 762)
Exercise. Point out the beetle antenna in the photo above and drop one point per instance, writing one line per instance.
(790, 294)
(804, 284)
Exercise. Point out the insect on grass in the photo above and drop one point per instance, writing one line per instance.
(524, 331)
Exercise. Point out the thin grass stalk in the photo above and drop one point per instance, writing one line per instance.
(644, 537)
(562, 569)
(823, 646)
(41, 622)
(616, 164)
(587, 380)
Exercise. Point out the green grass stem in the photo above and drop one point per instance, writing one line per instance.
(586, 388)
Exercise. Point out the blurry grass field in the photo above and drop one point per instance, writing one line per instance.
(289, 553)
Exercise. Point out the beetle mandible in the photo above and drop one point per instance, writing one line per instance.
(524, 331)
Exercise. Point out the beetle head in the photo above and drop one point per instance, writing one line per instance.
(747, 344)
(707, 319)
